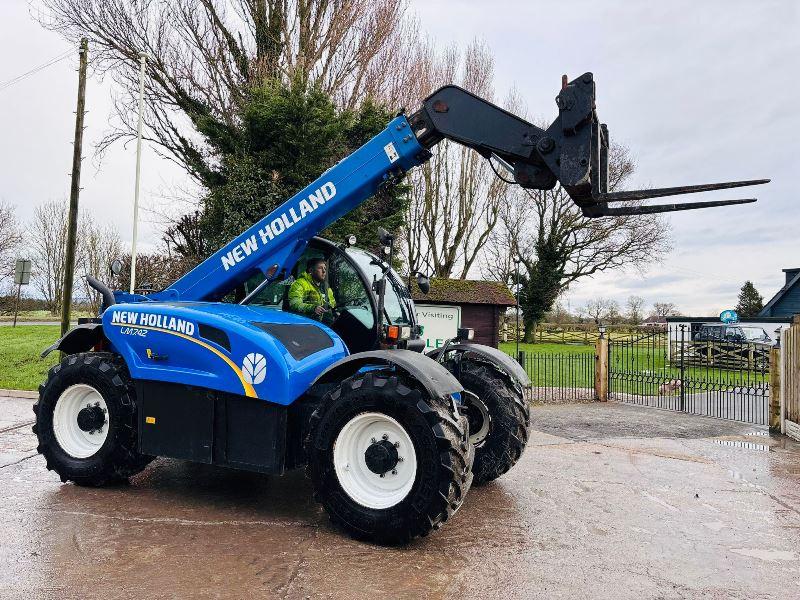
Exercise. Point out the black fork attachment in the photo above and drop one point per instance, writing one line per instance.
(573, 151)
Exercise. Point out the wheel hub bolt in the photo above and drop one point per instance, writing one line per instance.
(385, 436)
(394, 471)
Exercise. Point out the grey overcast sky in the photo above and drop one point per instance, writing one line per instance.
(701, 91)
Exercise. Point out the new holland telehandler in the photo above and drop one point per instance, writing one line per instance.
(392, 438)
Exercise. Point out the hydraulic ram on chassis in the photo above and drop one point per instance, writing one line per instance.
(573, 151)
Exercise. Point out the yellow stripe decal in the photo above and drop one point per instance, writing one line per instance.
(249, 391)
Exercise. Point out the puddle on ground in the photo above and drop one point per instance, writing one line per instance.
(744, 445)
(768, 555)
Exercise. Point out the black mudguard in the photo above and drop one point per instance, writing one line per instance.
(79, 339)
(499, 359)
(436, 380)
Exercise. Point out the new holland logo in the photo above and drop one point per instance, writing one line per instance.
(254, 368)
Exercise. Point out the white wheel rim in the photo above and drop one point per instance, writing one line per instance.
(357, 480)
(72, 439)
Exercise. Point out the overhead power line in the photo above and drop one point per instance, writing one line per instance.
(33, 71)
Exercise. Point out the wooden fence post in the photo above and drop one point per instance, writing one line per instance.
(775, 390)
(601, 369)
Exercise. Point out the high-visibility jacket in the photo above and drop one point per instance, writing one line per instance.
(305, 295)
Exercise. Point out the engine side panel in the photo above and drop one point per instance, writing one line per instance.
(218, 347)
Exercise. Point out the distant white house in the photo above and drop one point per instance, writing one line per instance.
(654, 321)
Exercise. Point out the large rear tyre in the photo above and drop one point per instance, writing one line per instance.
(499, 419)
(387, 462)
(86, 420)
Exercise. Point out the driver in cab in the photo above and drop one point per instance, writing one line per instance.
(310, 294)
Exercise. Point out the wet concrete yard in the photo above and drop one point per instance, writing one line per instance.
(609, 501)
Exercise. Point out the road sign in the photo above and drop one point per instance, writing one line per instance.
(22, 272)
(22, 276)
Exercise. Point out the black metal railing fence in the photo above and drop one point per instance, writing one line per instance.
(559, 377)
(675, 370)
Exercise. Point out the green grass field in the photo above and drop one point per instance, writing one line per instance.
(557, 365)
(633, 369)
(20, 347)
(43, 315)
(510, 348)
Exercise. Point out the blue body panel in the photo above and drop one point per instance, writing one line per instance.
(281, 237)
(159, 335)
(163, 341)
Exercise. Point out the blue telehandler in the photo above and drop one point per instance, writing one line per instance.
(216, 369)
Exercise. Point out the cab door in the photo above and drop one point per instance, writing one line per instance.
(355, 310)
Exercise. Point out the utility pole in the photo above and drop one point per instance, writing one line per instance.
(75, 189)
(142, 65)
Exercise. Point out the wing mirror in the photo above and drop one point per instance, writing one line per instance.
(116, 267)
(424, 283)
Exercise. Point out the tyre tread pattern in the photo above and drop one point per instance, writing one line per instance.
(427, 512)
(121, 458)
(511, 419)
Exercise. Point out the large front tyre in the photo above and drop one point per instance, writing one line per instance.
(387, 462)
(86, 420)
(499, 419)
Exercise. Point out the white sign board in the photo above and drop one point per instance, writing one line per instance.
(440, 323)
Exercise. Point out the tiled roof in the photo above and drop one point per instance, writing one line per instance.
(465, 291)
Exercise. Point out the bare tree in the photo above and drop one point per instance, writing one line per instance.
(48, 233)
(153, 271)
(664, 309)
(601, 309)
(185, 236)
(559, 314)
(99, 246)
(455, 200)
(557, 245)
(205, 54)
(10, 239)
(635, 306)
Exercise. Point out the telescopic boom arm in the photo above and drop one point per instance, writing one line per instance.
(572, 151)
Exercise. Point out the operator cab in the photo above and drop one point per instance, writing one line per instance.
(351, 272)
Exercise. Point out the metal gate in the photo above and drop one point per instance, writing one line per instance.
(715, 378)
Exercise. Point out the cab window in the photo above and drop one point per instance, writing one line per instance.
(349, 291)
(393, 305)
(272, 295)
